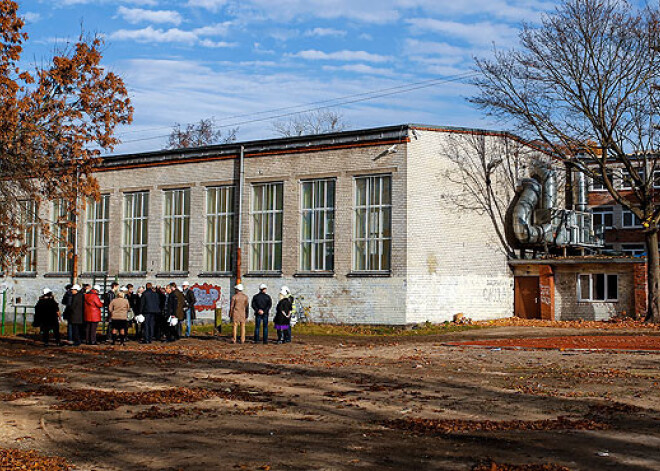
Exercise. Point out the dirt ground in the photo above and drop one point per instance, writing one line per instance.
(336, 403)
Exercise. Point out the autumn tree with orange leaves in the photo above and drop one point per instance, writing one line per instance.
(55, 121)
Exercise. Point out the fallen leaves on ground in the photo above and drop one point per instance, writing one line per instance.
(449, 426)
(490, 465)
(38, 375)
(613, 324)
(591, 342)
(12, 459)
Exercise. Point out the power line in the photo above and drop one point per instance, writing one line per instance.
(320, 102)
(361, 97)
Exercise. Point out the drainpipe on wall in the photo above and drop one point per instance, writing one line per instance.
(241, 176)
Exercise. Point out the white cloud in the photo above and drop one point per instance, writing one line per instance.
(312, 54)
(425, 48)
(321, 32)
(31, 17)
(362, 69)
(212, 5)
(482, 33)
(176, 35)
(138, 15)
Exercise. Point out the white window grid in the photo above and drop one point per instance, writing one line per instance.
(266, 215)
(219, 242)
(317, 225)
(597, 183)
(656, 179)
(135, 232)
(626, 180)
(62, 238)
(636, 250)
(629, 220)
(176, 234)
(28, 260)
(603, 217)
(97, 225)
(372, 223)
(587, 290)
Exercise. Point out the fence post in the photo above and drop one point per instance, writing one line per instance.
(15, 316)
(4, 307)
(24, 320)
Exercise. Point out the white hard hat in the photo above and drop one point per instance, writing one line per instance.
(47, 291)
(97, 287)
(185, 283)
(76, 287)
(239, 287)
(285, 291)
(139, 318)
(263, 286)
(123, 289)
(173, 321)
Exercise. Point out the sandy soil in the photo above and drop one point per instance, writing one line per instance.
(330, 403)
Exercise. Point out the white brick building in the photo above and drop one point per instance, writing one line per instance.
(355, 222)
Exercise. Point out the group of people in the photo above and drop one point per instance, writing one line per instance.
(157, 312)
(261, 305)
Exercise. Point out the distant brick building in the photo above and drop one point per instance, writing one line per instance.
(355, 222)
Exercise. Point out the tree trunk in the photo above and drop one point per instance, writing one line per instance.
(653, 279)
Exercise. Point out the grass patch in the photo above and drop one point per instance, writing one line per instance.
(341, 330)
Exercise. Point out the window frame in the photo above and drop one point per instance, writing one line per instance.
(639, 248)
(324, 215)
(59, 244)
(176, 252)
(591, 277)
(384, 211)
(95, 253)
(592, 185)
(268, 222)
(134, 255)
(27, 262)
(602, 211)
(625, 212)
(228, 244)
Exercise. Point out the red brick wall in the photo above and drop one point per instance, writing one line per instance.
(641, 295)
(547, 289)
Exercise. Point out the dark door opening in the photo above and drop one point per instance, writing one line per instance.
(527, 297)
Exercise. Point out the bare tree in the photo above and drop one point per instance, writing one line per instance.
(314, 122)
(487, 168)
(203, 133)
(584, 83)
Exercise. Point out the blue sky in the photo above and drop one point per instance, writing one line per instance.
(233, 60)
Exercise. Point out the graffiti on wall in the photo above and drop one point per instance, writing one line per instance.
(496, 291)
(546, 296)
(206, 296)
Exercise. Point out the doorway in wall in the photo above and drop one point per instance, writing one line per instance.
(527, 297)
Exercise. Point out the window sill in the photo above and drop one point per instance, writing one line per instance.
(25, 274)
(215, 274)
(314, 274)
(369, 274)
(265, 274)
(598, 301)
(172, 274)
(65, 274)
(91, 274)
(133, 274)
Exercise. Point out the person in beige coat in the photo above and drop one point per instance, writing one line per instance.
(119, 317)
(238, 311)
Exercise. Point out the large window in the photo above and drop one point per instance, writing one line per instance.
(373, 223)
(598, 287)
(266, 213)
(135, 232)
(219, 228)
(635, 250)
(97, 225)
(176, 235)
(603, 217)
(28, 260)
(627, 182)
(628, 219)
(597, 183)
(62, 238)
(317, 225)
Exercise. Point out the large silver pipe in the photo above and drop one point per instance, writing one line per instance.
(581, 194)
(548, 179)
(525, 232)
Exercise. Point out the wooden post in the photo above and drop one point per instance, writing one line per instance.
(238, 265)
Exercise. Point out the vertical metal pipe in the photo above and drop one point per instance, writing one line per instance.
(241, 177)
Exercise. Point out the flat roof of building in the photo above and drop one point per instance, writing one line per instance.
(283, 145)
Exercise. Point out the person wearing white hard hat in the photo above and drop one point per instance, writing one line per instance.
(189, 306)
(261, 304)
(170, 311)
(283, 316)
(77, 316)
(238, 311)
(47, 316)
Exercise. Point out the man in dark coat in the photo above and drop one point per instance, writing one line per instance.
(189, 296)
(66, 302)
(47, 317)
(150, 309)
(170, 311)
(180, 309)
(261, 304)
(77, 313)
